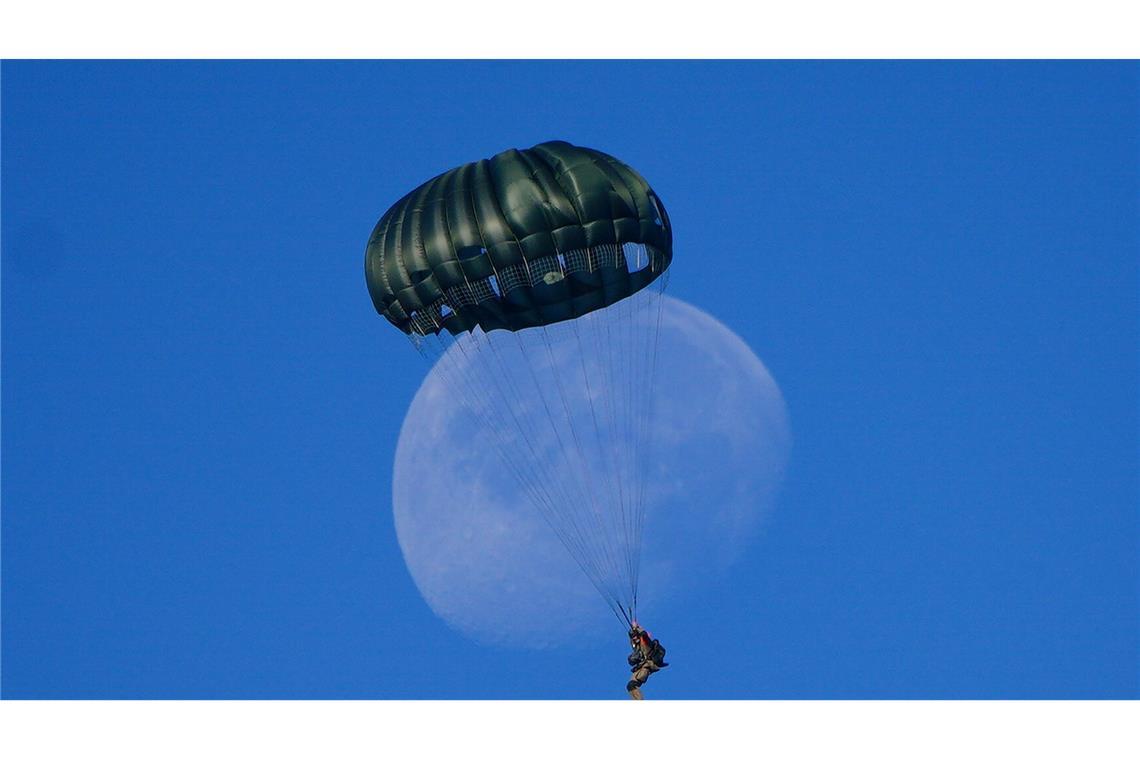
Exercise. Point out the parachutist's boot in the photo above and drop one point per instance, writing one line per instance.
(635, 693)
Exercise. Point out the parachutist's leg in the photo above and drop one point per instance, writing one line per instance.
(634, 686)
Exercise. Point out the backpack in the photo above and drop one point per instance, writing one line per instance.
(657, 654)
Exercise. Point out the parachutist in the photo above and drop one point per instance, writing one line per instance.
(647, 657)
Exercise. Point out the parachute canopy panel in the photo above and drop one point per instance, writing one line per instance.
(525, 238)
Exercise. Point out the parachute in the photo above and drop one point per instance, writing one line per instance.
(533, 280)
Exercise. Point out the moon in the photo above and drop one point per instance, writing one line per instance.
(488, 564)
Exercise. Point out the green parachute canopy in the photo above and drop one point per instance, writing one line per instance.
(525, 238)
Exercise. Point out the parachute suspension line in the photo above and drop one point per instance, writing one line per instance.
(540, 499)
(657, 292)
(641, 435)
(600, 524)
(574, 543)
(600, 459)
(622, 447)
(607, 554)
(608, 349)
(573, 539)
(604, 451)
(621, 366)
(594, 511)
(591, 557)
(638, 401)
(450, 372)
(634, 399)
(580, 545)
(614, 400)
(620, 409)
(537, 496)
(568, 458)
(636, 452)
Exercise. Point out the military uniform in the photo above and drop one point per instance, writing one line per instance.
(641, 664)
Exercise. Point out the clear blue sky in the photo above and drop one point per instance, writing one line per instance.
(936, 261)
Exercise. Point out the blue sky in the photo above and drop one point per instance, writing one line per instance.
(936, 261)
